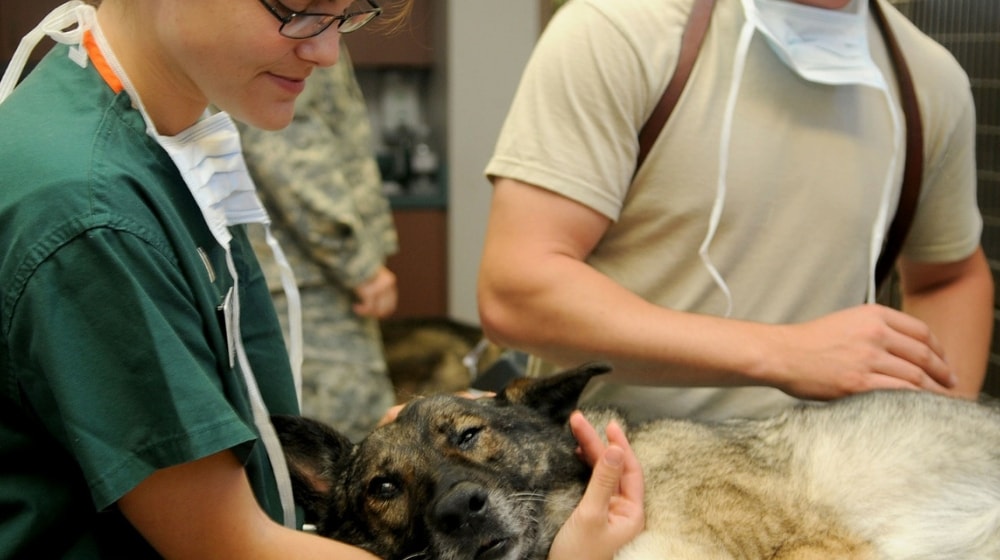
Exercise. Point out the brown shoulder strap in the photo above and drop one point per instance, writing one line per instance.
(913, 172)
(694, 34)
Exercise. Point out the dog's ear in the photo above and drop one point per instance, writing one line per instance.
(313, 452)
(554, 396)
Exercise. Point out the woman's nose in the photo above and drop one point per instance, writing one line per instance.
(322, 50)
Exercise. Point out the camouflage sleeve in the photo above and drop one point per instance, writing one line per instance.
(320, 181)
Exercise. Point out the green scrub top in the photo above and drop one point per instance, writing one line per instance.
(113, 353)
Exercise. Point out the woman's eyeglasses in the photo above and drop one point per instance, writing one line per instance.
(304, 25)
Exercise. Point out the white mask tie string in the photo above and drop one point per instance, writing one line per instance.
(739, 64)
(55, 25)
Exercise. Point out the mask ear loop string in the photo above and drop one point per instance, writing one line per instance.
(53, 25)
(294, 301)
(261, 417)
(880, 228)
(743, 45)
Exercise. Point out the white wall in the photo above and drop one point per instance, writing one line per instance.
(487, 44)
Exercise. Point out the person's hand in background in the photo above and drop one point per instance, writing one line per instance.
(377, 297)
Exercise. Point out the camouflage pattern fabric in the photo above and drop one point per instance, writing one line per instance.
(320, 182)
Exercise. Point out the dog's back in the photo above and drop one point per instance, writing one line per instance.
(880, 475)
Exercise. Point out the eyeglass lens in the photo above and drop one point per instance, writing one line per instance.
(310, 24)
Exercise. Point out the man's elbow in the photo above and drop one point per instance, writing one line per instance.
(497, 319)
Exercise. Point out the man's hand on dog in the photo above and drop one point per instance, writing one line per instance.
(858, 349)
(610, 513)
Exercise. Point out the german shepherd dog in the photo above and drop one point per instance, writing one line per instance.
(892, 474)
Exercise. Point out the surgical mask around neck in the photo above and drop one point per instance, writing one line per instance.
(822, 46)
(209, 157)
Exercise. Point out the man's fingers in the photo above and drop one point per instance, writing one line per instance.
(915, 344)
(910, 372)
(913, 328)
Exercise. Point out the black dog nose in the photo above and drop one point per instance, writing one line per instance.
(461, 508)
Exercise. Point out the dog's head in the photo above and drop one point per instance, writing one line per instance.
(451, 478)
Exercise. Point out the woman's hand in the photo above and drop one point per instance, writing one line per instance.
(611, 512)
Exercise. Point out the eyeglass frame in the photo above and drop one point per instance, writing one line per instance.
(375, 11)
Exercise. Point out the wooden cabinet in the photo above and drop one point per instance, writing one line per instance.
(421, 263)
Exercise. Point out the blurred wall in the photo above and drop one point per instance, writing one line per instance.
(487, 44)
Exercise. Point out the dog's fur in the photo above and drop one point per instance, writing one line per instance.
(896, 475)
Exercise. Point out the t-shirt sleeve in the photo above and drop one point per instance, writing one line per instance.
(947, 225)
(573, 124)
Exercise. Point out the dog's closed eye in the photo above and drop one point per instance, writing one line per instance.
(466, 438)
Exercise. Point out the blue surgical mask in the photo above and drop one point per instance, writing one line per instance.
(820, 45)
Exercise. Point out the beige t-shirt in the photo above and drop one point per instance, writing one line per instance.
(805, 171)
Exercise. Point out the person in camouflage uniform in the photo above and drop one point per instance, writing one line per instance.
(320, 182)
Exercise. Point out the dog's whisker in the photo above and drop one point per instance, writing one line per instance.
(528, 494)
(421, 554)
(530, 497)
